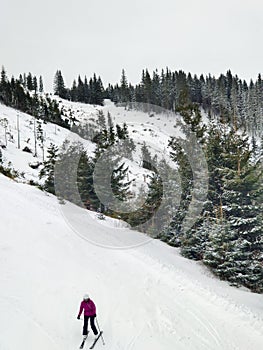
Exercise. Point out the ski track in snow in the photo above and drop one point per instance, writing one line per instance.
(205, 292)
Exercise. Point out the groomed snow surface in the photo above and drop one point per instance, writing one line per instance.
(147, 297)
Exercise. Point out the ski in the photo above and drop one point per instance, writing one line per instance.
(95, 341)
(83, 342)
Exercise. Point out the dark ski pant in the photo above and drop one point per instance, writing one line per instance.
(92, 324)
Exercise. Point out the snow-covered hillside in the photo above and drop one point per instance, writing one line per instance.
(147, 297)
(155, 127)
(20, 130)
(21, 133)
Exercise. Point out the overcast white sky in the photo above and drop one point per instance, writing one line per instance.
(104, 36)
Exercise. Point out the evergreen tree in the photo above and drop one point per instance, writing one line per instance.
(41, 86)
(29, 82)
(101, 121)
(156, 89)
(74, 91)
(192, 116)
(119, 183)
(179, 156)
(147, 87)
(235, 238)
(59, 85)
(47, 171)
(194, 241)
(152, 203)
(234, 251)
(110, 122)
(80, 90)
(41, 138)
(85, 181)
(217, 248)
(4, 123)
(243, 216)
(124, 90)
(35, 86)
(4, 86)
(147, 162)
(21, 81)
(96, 91)
(111, 177)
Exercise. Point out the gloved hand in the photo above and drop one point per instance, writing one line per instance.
(78, 317)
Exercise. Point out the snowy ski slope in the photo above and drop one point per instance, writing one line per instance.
(148, 297)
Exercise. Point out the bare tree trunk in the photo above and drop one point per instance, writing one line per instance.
(18, 132)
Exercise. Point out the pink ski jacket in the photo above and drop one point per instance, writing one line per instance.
(88, 307)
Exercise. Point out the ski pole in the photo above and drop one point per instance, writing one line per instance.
(103, 342)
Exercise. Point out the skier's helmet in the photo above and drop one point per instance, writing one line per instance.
(85, 297)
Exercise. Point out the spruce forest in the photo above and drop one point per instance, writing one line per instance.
(227, 236)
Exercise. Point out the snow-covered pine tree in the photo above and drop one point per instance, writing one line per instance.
(242, 212)
(234, 248)
(119, 182)
(47, 172)
(218, 247)
(59, 85)
(124, 89)
(85, 181)
(179, 156)
(29, 82)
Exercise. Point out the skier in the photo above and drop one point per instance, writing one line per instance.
(89, 313)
